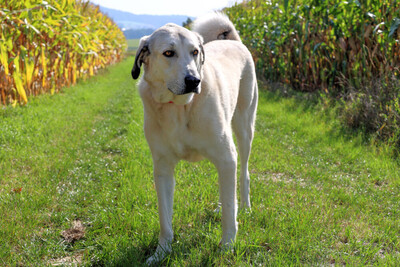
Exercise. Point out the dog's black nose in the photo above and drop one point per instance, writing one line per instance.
(191, 83)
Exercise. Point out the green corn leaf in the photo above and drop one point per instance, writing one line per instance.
(395, 25)
(4, 57)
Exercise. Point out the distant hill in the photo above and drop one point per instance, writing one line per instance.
(137, 33)
(135, 26)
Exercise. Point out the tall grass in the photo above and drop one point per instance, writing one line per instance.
(45, 45)
(339, 47)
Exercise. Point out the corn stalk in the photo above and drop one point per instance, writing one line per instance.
(45, 45)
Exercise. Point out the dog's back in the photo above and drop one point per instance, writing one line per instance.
(215, 26)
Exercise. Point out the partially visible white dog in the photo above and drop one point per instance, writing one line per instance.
(197, 86)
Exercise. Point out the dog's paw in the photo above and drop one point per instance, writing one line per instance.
(218, 209)
(159, 255)
(226, 247)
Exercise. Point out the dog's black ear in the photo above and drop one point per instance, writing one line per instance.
(141, 54)
(201, 43)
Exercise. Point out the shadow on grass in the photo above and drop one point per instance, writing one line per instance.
(196, 244)
(327, 108)
(190, 251)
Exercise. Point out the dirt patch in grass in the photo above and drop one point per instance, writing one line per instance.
(74, 260)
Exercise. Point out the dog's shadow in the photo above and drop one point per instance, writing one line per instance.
(189, 239)
(136, 256)
(181, 252)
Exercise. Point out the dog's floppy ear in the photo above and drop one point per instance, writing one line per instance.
(201, 42)
(142, 52)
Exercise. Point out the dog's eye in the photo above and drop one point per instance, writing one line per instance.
(169, 53)
(195, 52)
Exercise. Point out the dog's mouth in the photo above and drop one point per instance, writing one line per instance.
(185, 91)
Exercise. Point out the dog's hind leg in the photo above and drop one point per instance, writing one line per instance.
(223, 155)
(243, 124)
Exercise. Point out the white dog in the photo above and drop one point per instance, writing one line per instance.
(194, 91)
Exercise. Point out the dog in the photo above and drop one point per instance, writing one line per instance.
(197, 87)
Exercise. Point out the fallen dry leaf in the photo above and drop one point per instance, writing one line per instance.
(75, 233)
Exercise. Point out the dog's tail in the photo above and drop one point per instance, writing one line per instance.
(215, 26)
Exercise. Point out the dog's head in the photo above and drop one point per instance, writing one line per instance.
(172, 57)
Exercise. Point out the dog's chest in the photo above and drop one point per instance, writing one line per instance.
(179, 131)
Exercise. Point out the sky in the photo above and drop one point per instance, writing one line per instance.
(166, 7)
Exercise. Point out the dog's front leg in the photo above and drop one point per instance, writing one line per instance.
(165, 183)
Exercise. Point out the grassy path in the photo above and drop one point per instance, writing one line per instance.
(318, 196)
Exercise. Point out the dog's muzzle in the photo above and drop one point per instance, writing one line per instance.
(191, 84)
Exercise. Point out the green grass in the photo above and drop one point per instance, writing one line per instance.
(319, 196)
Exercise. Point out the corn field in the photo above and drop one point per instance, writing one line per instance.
(348, 49)
(315, 44)
(45, 45)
